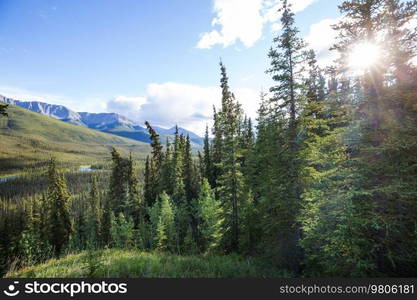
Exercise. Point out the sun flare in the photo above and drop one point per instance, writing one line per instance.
(364, 56)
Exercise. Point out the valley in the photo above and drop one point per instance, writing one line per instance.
(29, 139)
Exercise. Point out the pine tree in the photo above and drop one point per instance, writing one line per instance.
(250, 229)
(189, 175)
(167, 172)
(157, 154)
(208, 167)
(210, 219)
(230, 182)
(122, 231)
(216, 150)
(178, 194)
(200, 167)
(95, 215)
(136, 205)
(165, 238)
(288, 62)
(118, 184)
(148, 184)
(154, 166)
(59, 200)
(328, 212)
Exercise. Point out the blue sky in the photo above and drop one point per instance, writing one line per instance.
(155, 60)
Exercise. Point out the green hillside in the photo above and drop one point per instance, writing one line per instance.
(115, 263)
(28, 139)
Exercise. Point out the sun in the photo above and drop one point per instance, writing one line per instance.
(363, 56)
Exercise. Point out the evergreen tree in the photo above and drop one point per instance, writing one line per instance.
(288, 62)
(122, 231)
(167, 171)
(94, 214)
(230, 182)
(216, 150)
(118, 186)
(178, 169)
(208, 166)
(148, 184)
(154, 166)
(210, 219)
(135, 206)
(59, 200)
(165, 238)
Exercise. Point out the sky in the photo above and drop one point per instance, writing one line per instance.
(148, 60)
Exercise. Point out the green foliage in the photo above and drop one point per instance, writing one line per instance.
(280, 199)
(33, 249)
(210, 219)
(95, 216)
(3, 108)
(165, 238)
(117, 263)
(153, 167)
(122, 231)
(94, 261)
(229, 184)
(59, 218)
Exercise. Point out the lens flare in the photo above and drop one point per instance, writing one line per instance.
(364, 56)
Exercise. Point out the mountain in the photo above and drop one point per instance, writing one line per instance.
(99, 121)
(194, 138)
(112, 123)
(51, 110)
(28, 139)
(108, 121)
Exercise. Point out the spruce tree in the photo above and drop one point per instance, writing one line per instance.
(95, 214)
(122, 231)
(216, 149)
(154, 166)
(167, 172)
(208, 166)
(230, 182)
(210, 219)
(178, 169)
(148, 184)
(288, 61)
(60, 226)
(165, 239)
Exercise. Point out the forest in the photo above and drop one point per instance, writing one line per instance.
(322, 184)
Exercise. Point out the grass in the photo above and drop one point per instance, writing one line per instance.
(28, 139)
(115, 263)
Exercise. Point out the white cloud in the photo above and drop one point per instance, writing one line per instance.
(243, 20)
(320, 38)
(126, 106)
(300, 5)
(189, 106)
(276, 27)
(238, 20)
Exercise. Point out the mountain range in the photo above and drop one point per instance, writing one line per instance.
(106, 122)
